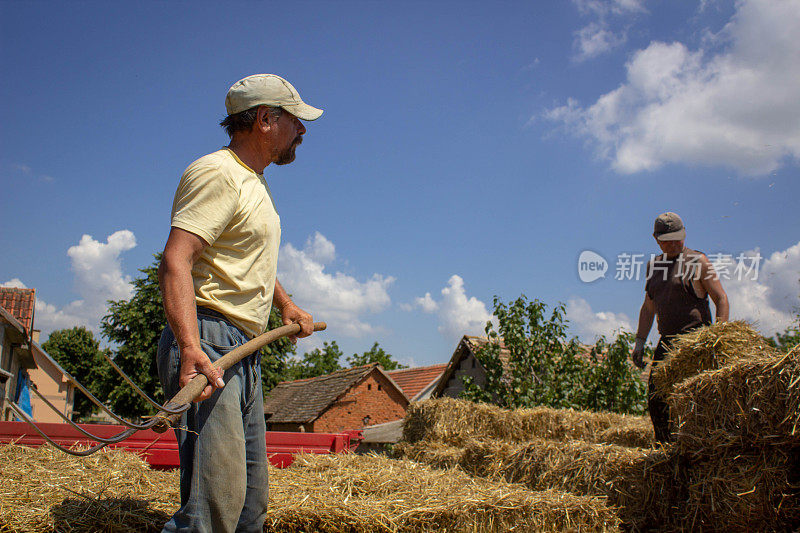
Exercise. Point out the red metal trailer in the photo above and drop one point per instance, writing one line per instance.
(160, 450)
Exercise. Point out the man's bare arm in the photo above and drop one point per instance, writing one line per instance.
(291, 313)
(183, 248)
(713, 287)
(646, 315)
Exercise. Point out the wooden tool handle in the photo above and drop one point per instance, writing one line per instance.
(195, 387)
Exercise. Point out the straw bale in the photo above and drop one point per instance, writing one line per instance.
(435, 454)
(634, 432)
(43, 489)
(350, 493)
(640, 483)
(707, 348)
(454, 422)
(748, 403)
(735, 491)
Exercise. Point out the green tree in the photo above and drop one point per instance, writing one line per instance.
(317, 362)
(545, 367)
(135, 326)
(786, 340)
(376, 354)
(275, 356)
(78, 352)
(611, 382)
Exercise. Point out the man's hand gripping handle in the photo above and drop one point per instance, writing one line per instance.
(195, 387)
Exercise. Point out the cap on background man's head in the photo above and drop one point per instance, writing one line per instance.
(669, 227)
(271, 90)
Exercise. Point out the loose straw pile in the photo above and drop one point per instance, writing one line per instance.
(43, 490)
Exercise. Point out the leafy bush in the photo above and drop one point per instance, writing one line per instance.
(545, 367)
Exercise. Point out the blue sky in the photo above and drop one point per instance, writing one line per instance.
(467, 150)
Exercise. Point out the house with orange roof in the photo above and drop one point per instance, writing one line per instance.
(24, 363)
(351, 398)
(418, 382)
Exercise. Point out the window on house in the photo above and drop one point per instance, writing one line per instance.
(379, 387)
(473, 363)
(369, 386)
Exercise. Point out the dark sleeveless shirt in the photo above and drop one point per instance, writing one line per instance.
(669, 285)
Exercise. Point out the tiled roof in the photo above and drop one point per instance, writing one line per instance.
(415, 380)
(476, 342)
(304, 400)
(19, 302)
(467, 344)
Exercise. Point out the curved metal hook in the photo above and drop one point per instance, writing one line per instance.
(142, 393)
(107, 440)
(80, 453)
(92, 397)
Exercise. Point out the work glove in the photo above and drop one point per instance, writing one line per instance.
(638, 352)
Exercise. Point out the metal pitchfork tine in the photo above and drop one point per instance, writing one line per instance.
(142, 393)
(169, 413)
(94, 399)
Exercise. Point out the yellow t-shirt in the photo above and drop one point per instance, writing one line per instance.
(228, 205)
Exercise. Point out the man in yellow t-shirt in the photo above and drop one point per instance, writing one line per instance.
(218, 281)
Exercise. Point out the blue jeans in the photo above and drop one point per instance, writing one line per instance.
(222, 450)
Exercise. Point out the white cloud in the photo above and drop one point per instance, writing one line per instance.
(98, 278)
(771, 300)
(426, 303)
(737, 107)
(458, 314)
(336, 298)
(602, 8)
(595, 39)
(588, 325)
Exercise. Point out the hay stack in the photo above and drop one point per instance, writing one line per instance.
(348, 493)
(44, 490)
(708, 348)
(455, 422)
(743, 491)
(739, 426)
(641, 483)
(749, 403)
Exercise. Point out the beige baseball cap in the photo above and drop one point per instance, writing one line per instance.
(669, 227)
(271, 90)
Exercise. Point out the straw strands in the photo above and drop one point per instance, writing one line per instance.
(749, 403)
(733, 490)
(707, 348)
(455, 421)
(45, 490)
(739, 426)
(347, 493)
(634, 480)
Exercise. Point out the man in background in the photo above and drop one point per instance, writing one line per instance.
(679, 283)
